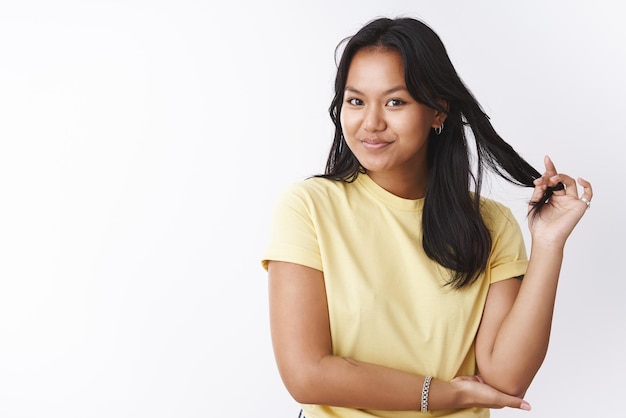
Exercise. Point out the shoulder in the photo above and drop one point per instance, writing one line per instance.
(495, 214)
(493, 207)
(314, 189)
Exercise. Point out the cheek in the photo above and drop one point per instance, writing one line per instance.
(349, 124)
(414, 125)
(342, 120)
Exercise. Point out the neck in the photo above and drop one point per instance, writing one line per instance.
(407, 186)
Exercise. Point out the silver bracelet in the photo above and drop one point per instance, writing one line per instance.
(425, 390)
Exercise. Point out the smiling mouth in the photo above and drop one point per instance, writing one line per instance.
(374, 144)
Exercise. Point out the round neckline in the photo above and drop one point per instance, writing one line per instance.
(387, 197)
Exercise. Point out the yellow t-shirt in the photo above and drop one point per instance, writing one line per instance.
(386, 299)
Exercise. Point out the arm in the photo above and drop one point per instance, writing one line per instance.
(513, 337)
(313, 375)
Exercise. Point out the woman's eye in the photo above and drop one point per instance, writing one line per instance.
(355, 102)
(394, 102)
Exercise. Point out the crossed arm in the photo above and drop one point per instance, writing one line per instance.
(313, 375)
(511, 343)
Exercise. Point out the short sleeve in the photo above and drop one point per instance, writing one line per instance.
(508, 256)
(292, 234)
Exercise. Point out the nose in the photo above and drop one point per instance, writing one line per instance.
(374, 120)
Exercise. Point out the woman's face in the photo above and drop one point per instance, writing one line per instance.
(386, 129)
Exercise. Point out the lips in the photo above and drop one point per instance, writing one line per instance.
(374, 143)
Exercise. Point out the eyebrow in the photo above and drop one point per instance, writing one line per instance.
(386, 92)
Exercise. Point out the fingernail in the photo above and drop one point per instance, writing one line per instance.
(525, 406)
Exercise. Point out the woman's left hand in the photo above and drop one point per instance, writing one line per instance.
(564, 209)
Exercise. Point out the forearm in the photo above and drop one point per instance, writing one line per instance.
(343, 382)
(521, 343)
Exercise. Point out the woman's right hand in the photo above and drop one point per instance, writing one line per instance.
(476, 393)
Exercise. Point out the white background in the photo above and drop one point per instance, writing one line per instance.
(143, 144)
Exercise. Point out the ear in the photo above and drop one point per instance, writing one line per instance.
(440, 116)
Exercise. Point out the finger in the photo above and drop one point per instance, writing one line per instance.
(466, 379)
(539, 190)
(514, 402)
(587, 189)
(552, 187)
(502, 400)
(550, 168)
(558, 187)
(569, 183)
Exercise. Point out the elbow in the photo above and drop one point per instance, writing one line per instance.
(299, 389)
(507, 384)
(303, 398)
(510, 377)
(511, 382)
(515, 390)
(302, 384)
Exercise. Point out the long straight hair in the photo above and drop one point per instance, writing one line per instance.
(454, 233)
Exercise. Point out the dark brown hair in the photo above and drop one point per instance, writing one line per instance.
(454, 233)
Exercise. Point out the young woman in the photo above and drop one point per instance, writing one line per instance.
(395, 288)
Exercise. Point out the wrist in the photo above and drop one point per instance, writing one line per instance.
(461, 396)
(547, 246)
(446, 395)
